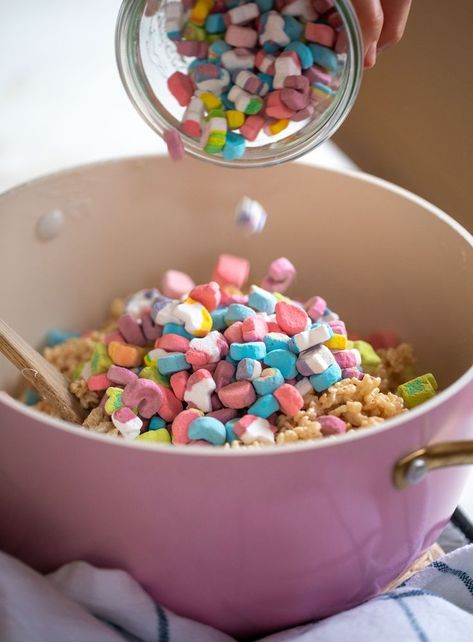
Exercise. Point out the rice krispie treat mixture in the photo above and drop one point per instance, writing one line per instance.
(215, 364)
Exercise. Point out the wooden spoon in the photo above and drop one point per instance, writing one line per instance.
(43, 376)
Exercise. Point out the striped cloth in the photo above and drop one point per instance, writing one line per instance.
(81, 603)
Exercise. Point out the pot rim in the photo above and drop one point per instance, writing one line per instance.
(192, 451)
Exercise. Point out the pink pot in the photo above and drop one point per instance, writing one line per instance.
(249, 542)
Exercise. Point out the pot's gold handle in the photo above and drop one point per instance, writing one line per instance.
(412, 468)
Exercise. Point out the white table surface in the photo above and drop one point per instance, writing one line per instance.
(62, 102)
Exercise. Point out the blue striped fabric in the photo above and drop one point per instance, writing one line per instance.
(82, 603)
(462, 575)
(163, 624)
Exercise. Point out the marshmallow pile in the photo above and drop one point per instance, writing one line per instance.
(253, 68)
(212, 363)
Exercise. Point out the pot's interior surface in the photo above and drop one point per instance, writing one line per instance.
(380, 259)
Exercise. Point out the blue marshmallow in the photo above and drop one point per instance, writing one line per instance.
(324, 56)
(264, 406)
(261, 300)
(277, 341)
(271, 47)
(215, 23)
(218, 318)
(267, 79)
(293, 28)
(230, 360)
(248, 369)
(303, 53)
(283, 360)
(321, 87)
(177, 328)
(327, 378)
(217, 48)
(251, 350)
(234, 147)
(55, 337)
(31, 397)
(173, 362)
(269, 381)
(238, 312)
(231, 435)
(226, 102)
(265, 5)
(209, 429)
(156, 423)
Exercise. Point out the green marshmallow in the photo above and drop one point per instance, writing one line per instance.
(161, 436)
(369, 359)
(153, 373)
(100, 361)
(418, 390)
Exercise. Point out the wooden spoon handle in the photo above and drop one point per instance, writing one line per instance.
(43, 376)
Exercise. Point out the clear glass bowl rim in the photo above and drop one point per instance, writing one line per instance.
(140, 93)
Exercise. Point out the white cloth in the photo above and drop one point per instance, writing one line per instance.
(81, 603)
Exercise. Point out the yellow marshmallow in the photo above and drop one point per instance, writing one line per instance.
(235, 118)
(337, 342)
(278, 126)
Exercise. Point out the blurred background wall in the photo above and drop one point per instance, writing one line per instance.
(413, 121)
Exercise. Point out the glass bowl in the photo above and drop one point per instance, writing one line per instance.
(146, 58)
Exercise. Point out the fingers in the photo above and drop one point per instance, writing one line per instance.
(371, 18)
(395, 18)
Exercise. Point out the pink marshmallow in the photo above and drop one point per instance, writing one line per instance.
(338, 327)
(121, 376)
(237, 36)
(301, 83)
(291, 318)
(171, 405)
(98, 382)
(303, 114)
(240, 394)
(223, 414)
(181, 87)
(293, 99)
(208, 294)
(192, 48)
(178, 383)
(231, 270)
(254, 328)
(315, 307)
(172, 343)
(174, 143)
(234, 333)
(289, 399)
(150, 329)
(321, 34)
(317, 74)
(331, 425)
(175, 284)
(216, 403)
(273, 327)
(180, 426)
(146, 395)
(252, 127)
(275, 108)
(224, 373)
(131, 330)
(347, 358)
(350, 373)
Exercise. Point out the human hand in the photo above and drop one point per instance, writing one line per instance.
(382, 24)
